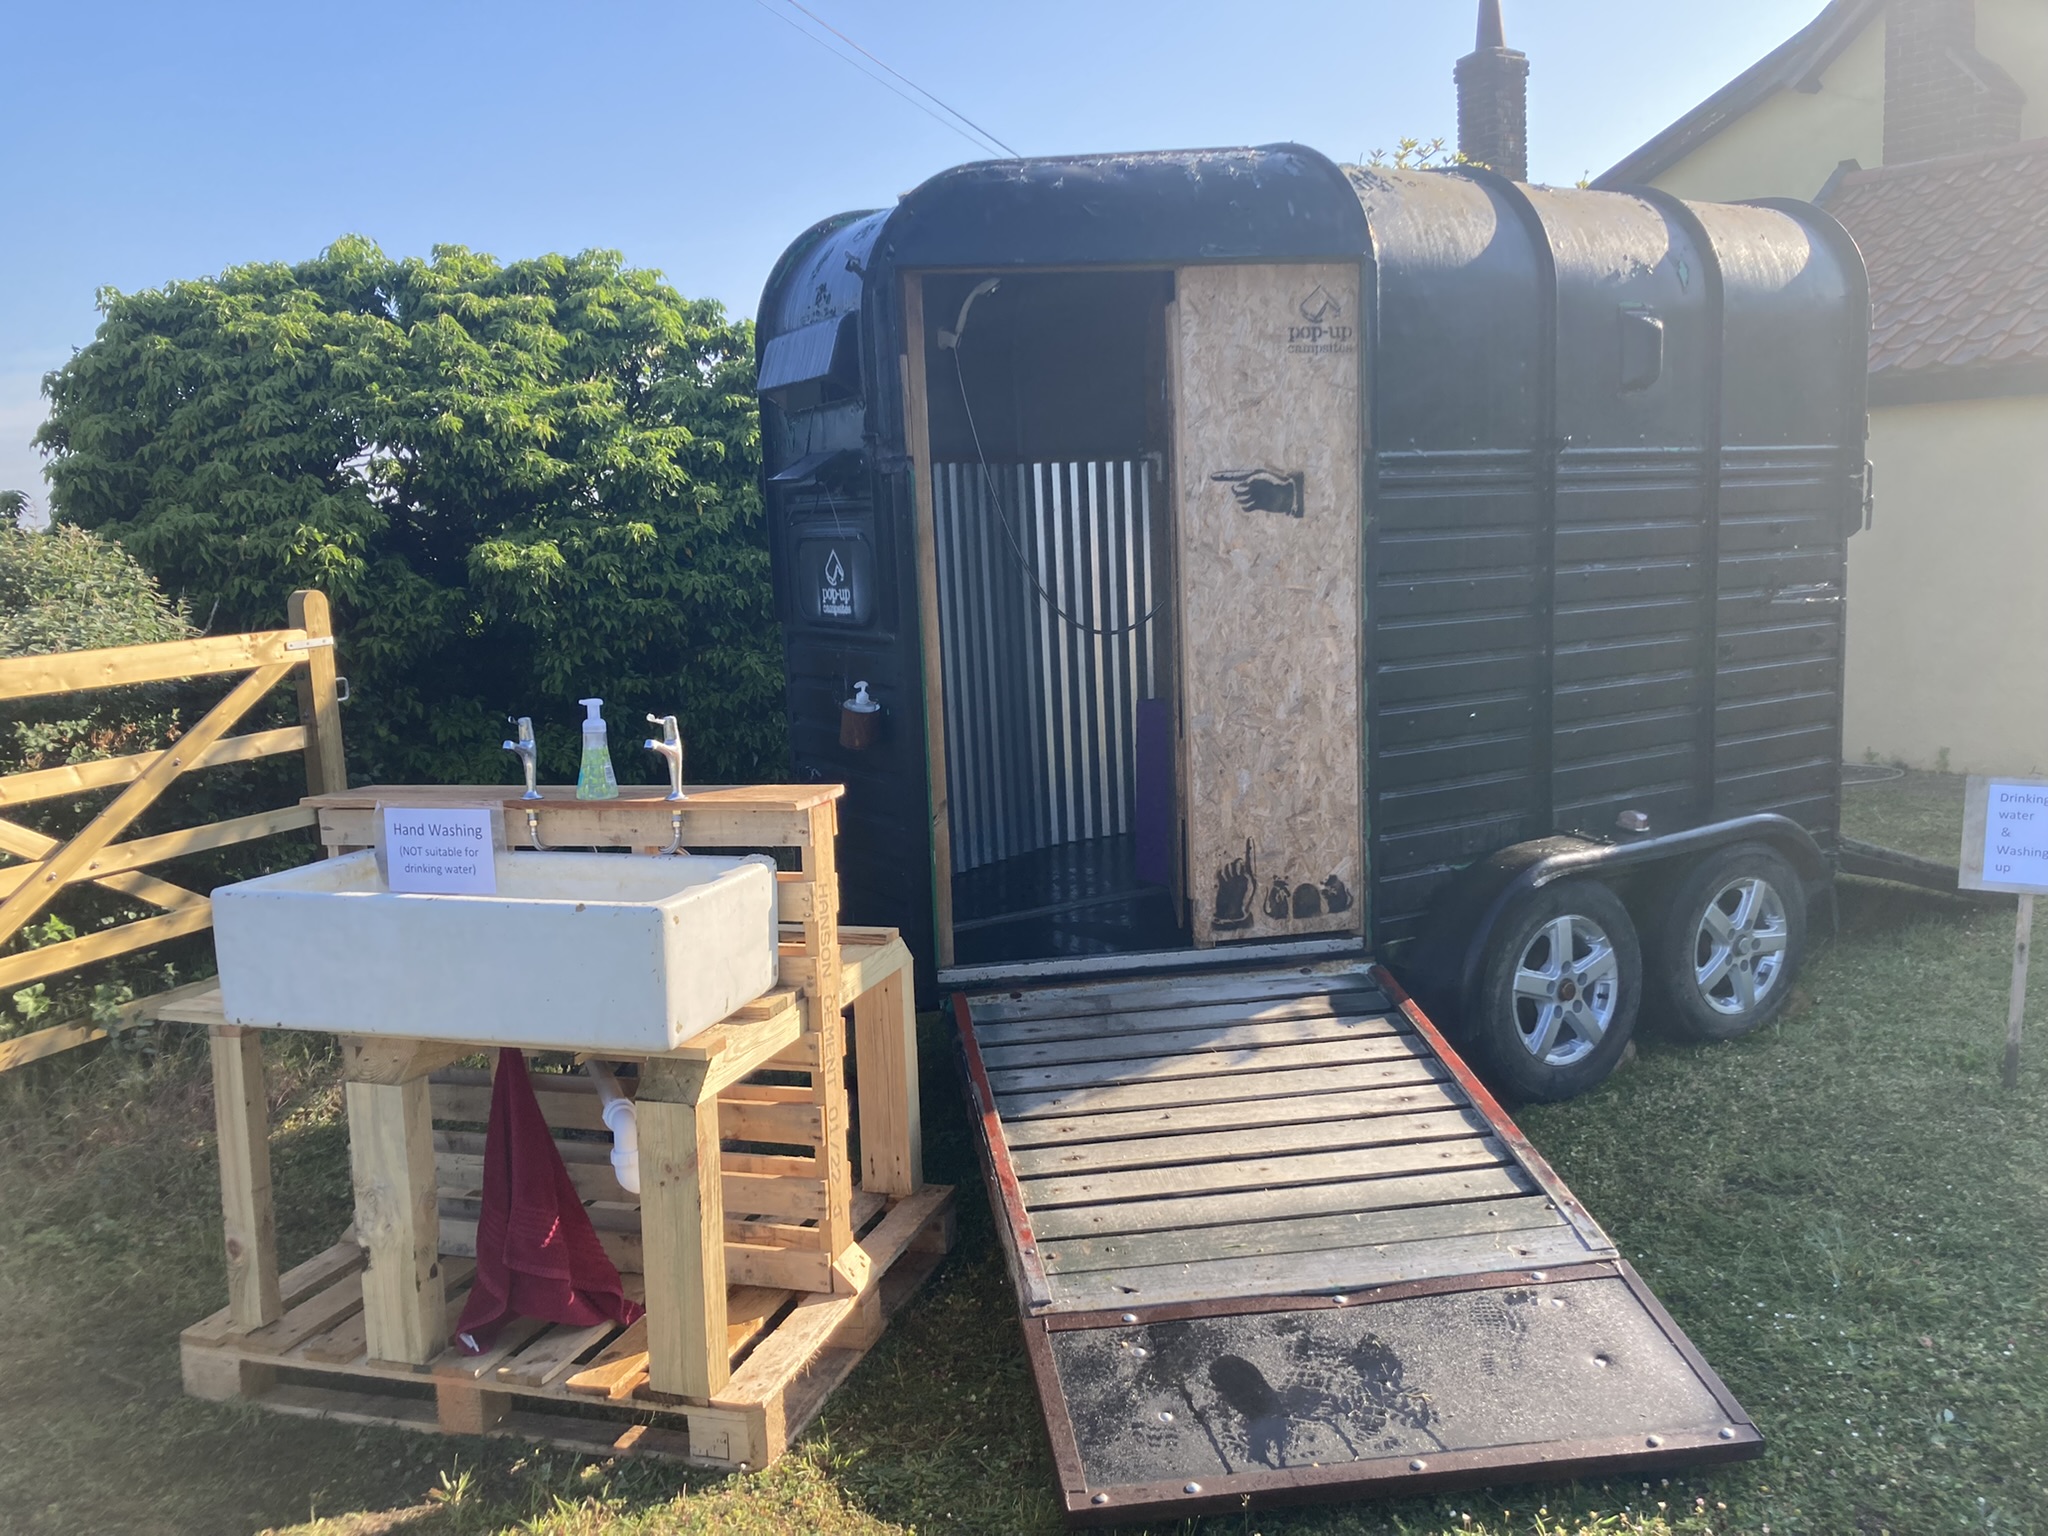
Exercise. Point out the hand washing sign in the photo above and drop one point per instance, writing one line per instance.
(440, 852)
(2005, 836)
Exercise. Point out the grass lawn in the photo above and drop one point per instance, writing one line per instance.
(1846, 1213)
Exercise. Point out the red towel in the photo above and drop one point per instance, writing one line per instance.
(537, 1254)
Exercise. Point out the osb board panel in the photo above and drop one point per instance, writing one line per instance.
(1267, 420)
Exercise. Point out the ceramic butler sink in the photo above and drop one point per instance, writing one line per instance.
(576, 951)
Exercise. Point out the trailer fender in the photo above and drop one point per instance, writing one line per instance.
(1446, 963)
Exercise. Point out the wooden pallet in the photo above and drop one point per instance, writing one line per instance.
(584, 1389)
(766, 1259)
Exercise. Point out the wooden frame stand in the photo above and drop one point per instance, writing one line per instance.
(766, 1274)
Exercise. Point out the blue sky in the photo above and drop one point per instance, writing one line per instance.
(141, 143)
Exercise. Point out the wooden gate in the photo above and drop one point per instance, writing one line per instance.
(48, 866)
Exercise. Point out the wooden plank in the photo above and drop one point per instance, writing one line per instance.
(617, 1368)
(745, 798)
(28, 677)
(26, 844)
(105, 772)
(177, 1004)
(298, 1284)
(316, 1314)
(1340, 1270)
(319, 698)
(569, 823)
(1306, 1234)
(1268, 1173)
(118, 858)
(73, 857)
(788, 1269)
(390, 1059)
(1115, 1025)
(918, 443)
(49, 1041)
(36, 964)
(826, 1017)
(553, 1354)
(1264, 1141)
(792, 896)
(1176, 1033)
(1092, 999)
(1207, 1064)
(1244, 1114)
(241, 1118)
(864, 965)
(197, 1003)
(1221, 1089)
(793, 1125)
(810, 1327)
(682, 1225)
(391, 1157)
(1183, 1212)
(891, 1117)
(793, 1199)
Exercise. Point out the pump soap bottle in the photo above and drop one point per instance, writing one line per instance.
(595, 780)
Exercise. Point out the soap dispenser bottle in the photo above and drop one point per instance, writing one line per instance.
(595, 780)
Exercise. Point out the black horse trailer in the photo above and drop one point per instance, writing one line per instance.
(1290, 583)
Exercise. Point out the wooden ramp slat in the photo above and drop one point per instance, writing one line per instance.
(1096, 998)
(1343, 1269)
(1266, 1141)
(1140, 1021)
(1270, 1174)
(1306, 1234)
(1125, 1045)
(1239, 1206)
(1198, 1062)
(1243, 1114)
(1222, 1090)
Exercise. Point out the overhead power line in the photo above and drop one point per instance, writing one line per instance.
(954, 119)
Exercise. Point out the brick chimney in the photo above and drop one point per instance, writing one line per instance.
(1493, 100)
(1941, 96)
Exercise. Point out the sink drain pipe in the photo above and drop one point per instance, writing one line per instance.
(619, 1120)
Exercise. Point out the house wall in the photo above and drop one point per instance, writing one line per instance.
(1791, 144)
(1948, 590)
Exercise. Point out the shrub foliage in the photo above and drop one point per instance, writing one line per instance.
(519, 484)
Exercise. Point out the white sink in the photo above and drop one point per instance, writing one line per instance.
(576, 951)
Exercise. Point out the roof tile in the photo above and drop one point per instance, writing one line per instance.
(1958, 257)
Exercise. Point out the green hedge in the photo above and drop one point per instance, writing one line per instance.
(519, 484)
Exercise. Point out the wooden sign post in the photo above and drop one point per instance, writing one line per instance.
(2005, 848)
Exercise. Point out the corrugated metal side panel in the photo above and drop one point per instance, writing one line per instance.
(1778, 721)
(1630, 600)
(1042, 681)
(1456, 594)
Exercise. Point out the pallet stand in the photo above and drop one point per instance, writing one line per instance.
(766, 1275)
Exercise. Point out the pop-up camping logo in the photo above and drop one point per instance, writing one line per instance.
(835, 595)
(1321, 330)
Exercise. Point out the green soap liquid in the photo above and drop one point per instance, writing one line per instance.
(596, 781)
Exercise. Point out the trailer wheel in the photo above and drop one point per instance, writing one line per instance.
(1730, 941)
(1559, 991)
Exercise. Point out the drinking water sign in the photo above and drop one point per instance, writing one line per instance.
(2005, 848)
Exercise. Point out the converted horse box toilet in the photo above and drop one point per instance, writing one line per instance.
(1278, 578)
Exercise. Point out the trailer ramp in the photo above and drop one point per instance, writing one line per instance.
(1274, 1242)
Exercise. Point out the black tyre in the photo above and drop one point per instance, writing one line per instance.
(1558, 994)
(1730, 941)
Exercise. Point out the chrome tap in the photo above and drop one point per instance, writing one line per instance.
(671, 748)
(526, 752)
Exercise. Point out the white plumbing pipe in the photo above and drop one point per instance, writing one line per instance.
(620, 1121)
